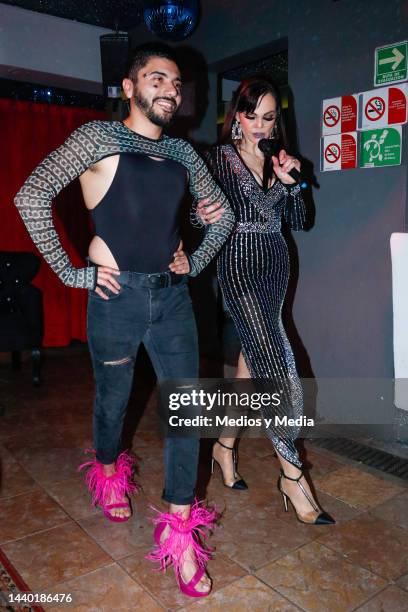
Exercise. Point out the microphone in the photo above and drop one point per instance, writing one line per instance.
(269, 147)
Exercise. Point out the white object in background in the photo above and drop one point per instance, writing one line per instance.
(399, 258)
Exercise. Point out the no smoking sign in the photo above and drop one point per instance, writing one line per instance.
(331, 116)
(339, 115)
(339, 152)
(383, 107)
(332, 152)
(374, 109)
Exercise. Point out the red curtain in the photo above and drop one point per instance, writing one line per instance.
(29, 131)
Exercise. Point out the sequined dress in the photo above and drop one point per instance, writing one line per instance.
(253, 272)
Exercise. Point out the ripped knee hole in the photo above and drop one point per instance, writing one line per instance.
(118, 362)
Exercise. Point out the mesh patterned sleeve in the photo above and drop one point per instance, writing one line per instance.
(85, 146)
(35, 197)
(203, 185)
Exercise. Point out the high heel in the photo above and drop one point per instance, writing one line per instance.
(238, 485)
(323, 518)
(184, 533)
(106, 488)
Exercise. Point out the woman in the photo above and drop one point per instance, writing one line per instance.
(253, 272)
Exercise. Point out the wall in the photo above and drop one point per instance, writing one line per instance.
(343, 307)
(343, 304)
(49, 50)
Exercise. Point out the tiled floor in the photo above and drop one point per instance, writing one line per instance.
(265, 559)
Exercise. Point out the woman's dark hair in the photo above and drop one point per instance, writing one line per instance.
(245, 100)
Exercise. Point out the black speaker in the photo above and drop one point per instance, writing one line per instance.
(114, 54)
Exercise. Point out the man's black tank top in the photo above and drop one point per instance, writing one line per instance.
(138, 217)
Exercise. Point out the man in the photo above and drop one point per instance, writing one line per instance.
(133, 179)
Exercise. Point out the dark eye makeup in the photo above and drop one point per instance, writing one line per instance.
(252, 117)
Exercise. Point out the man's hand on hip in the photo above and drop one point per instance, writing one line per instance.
(106, 278)
(180, 264)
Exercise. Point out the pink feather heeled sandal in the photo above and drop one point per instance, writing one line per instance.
(183, 534)
(105, 488)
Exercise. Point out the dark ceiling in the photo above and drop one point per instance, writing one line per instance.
(112, 14)
(276, 66)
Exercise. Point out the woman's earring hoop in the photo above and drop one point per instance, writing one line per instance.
(274, 133)
(236, 131)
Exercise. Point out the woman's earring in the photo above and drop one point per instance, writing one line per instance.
(236, 131)
(274, 133)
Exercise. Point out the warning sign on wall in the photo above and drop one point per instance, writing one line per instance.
(380, 147)
(382, 107)
(338, 152)
(339, 115)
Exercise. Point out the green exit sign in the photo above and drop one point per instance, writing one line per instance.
(390, 64)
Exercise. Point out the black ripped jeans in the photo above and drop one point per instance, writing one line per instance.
(163, 320)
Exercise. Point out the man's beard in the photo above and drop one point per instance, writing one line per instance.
(147, 108)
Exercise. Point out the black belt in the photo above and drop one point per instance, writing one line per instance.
(158, 281)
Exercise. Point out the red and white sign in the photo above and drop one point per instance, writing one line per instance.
(374, 108)
(383, 106)
(339, 115)
(339, 152)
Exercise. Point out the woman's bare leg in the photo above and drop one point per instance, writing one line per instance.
(223, 455)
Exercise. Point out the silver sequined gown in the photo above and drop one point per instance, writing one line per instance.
(253, 272)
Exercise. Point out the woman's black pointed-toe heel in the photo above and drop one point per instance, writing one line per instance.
(323, 518)
(238, 485)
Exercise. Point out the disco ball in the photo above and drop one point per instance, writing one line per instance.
(171, 19)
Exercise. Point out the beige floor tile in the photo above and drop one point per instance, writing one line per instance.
(395, 511)
(357, 488)
(245, 594)
(372, 543)
(150, 463)
(121, 539)
(50, 462)
(28, 513)
(236, 501)
(223, 571)
(403, 582)
(55, 555)
(19, 445)
(105, 590)
(253, 537)
(392, 599)
(13, 478)
(74, 497)
(152, 486)
(319, 580)
(259, 471)
(255, 447)
(318, 464)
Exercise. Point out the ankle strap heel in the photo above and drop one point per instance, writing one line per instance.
(239, 484)
(323, 518)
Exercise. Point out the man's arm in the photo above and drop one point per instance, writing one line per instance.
(203, 186)
(34, 202)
